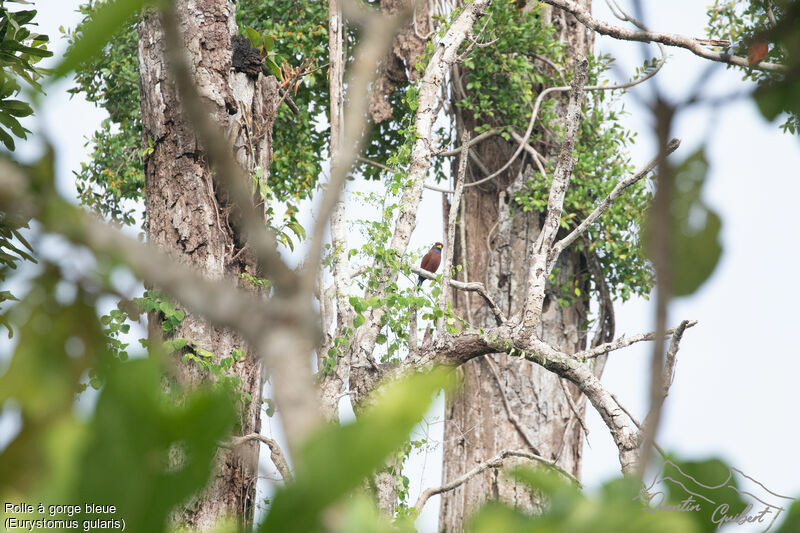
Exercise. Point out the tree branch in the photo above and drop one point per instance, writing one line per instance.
(606, 203)
(472, 286)
(495, 462)
(539, 251)
(512, 417)
(623, 342)
(275, 452)
(693, 45)
(451, 233)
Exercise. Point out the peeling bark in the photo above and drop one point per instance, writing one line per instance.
(399, 65)
(189, 219)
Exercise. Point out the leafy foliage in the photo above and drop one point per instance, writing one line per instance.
(113, 178)
(777, 23)
(510, 69)
(112, 182)
(614, 508)
(160, 443)
(299, 32)
(20, 50)
(695, 228)
(338, 458)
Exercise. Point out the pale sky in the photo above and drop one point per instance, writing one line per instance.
(735, 393)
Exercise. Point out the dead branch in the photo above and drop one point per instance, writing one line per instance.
(539, 252)
(512, 416)
(623, 342)
(606, 203)
(451, 234)
(693, 45)
(495, 462)
(472, 286)
(275, 452)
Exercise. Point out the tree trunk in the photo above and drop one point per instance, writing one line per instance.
(505, 404)
(187, 217)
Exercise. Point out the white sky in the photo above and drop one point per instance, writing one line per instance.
(735, 393)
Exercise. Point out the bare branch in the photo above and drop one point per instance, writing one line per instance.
(451, 233)
(606, 203)
(539, 251)
(573, 407)
(658, 448)
(672, 356)
(693, 45)
(275, 452)
(472, 286)
(623, 342)
(495, 462)
(483, 136)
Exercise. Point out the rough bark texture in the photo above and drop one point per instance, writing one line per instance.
(399, 65)
(188, 218)
(477, 423)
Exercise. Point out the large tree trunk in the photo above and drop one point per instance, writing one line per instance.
(189, 218)
(496, 389)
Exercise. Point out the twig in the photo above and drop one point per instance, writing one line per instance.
(623, 342)
(636, 423)
(462, 236)
(693, 45)
(451, 235)
(275, 452)
(495, 462)
(573, 407)
(606, 203)
(472, 286)
(672, 355)
(388, 169)
(512, 417)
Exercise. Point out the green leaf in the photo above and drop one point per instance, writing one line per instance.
(7, 140)
(338, 458)
(792, 522)
(696, 228)
(162, 449)
(269, 42)
(253, 36)
(358, 320)
(16, 108)
(107, 20)
(273, 67)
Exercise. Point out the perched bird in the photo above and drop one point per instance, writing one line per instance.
(757, 51)
(431, 261)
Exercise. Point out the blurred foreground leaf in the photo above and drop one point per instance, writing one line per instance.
(339, 458)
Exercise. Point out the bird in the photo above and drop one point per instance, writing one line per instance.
(431, 261)
(757, 51)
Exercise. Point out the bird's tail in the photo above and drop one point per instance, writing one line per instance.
(419, 282)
